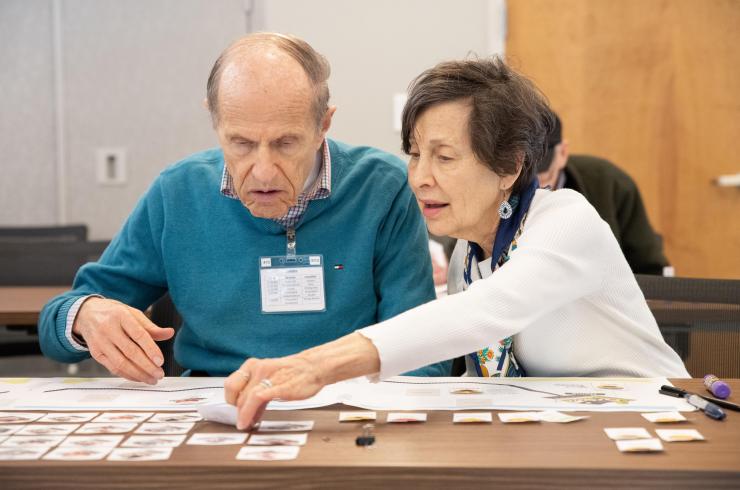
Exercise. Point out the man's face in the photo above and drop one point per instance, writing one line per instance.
(269, 135)
(550, 176)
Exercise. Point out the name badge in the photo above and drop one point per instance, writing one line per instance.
(292, 284)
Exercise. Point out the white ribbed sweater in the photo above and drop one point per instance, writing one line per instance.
(567, 295)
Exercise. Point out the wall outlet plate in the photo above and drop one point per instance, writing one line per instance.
(110, 166)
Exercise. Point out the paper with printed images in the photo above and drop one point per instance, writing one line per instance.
(406, 417)
(357, 416)
(92, 441)
(472, 418)
(111, 428)
(71, 453)
(47, 430)
(664, 417)
(165, 428)
(679, 435)
(10, 453)
(518, 417)
(640, 445)
(176, 417)
(19, 417)
(140, 454)
(627, 433)
(285, 426)
(154, 441)
(40, 441)
(117, 417)
(217, 438)
(268, 453)
(65, 418)
(10, 429)
(277, 440)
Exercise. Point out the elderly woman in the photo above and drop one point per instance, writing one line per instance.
(542, 286)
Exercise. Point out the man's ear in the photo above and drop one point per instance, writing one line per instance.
(326, 121)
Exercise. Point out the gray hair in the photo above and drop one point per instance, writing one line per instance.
(313, 63)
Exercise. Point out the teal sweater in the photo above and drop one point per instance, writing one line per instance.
(186, 237)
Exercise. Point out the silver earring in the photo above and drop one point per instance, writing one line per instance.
(505, 210)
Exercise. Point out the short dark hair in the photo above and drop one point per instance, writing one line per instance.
(313, 63)
(509, 120)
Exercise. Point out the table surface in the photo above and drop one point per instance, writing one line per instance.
(435, 454)
(21, 305)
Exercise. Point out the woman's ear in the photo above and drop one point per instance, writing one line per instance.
(508, 180)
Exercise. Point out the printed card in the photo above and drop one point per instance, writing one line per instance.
(679, 435)
(357, 416)
(168, 428)
(465, 390)
(406, 417)
(8, 430)
(664, 417)
(640, 446)
(627, 433)
(95, 428)
(472, 418)
(47, 430)
(278, 440)
(19, 417)
(559, 417)
(285, 426)
(141, 454)
(65, 418)
(268, 453)
(78, 453)
(118, 417)
(217, 439)
(154, 441)
(91, 441)
(518, 417)
(21, 453)
(39, 441)
(176, 417)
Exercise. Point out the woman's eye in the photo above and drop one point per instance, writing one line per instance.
(445, 158)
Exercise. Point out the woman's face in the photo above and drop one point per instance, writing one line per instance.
(458, 195)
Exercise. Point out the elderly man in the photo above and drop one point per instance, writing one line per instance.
(280, 240)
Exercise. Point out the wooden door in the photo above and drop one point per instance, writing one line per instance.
(654, 86)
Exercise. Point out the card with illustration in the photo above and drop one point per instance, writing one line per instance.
(559, 417)
(357, 416)
(117, 417)
(268, 453)
(472, 418)
(168, 428)
(154, 441)
(65, 418)
(679, 435)
(627, 433)
(21, 453)
(95, 428)
(518, 417)
(406, 417)
(465, 390)
(47, 430)
(78, 453)
(40, 441)
(285, 426)
(278, 440)
(640, 446)
(176, 417)
(92, 441)
(9, 430)
(141, 454)
(217, 439)
(664, 417)
(19, 417)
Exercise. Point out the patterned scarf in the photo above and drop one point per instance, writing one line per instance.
(499, 361)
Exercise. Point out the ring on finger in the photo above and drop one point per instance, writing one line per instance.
(266, 383)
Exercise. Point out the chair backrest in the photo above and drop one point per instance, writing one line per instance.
(43, 234)
(45, 263)
(700, 319)
(164, 314)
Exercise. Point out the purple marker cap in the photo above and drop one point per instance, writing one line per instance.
(716, 386)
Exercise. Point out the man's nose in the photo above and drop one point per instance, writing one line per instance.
(264, 168)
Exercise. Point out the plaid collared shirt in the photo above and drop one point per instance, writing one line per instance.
(321, 189)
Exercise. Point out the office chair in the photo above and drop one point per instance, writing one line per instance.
(700, 319)
(44, 234)
(164, 314)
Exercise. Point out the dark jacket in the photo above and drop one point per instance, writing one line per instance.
(617, 199)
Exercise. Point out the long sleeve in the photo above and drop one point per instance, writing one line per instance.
(557, 261)
(130, 270)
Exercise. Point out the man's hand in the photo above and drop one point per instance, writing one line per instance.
(122, 338)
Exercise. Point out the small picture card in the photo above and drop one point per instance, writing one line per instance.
(154, 441)
(67, 418)
(664, 417)
(357, 416)
(140, 454)
(472, 418)
(118, 417)
(268, 453)
(518, 417)
(39, 441)
(627, 433)
(78, 453)
(217, 439)
(91, 441)
(285, 426)
(465, 390)
(167, 428)
(406, 417)
(21, 453)
(176, 417)
(95, 428)
(19, 417)
(559, 417)
(7, 430)
(640, 446)
(277, 440)
(679, 435)
(47, 430)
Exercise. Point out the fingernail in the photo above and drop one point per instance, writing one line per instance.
(159, 374)
(158, 361)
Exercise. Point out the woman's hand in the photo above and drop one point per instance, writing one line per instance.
(251, 387)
